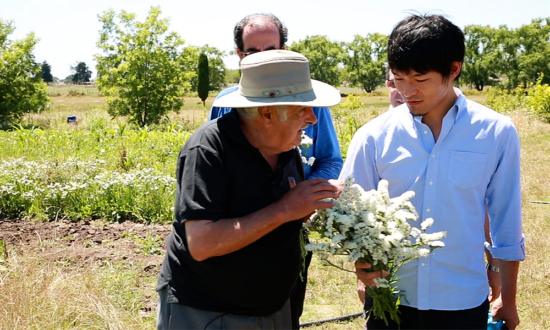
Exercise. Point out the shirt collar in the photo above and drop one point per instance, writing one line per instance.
(456, 110)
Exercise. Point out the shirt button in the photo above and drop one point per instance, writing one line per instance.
(433, 156)
(431, 183)
(422, 264)
(428, 210)
(425, 132)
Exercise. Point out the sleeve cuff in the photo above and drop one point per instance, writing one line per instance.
(508, 253)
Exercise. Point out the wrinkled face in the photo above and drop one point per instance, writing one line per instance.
(288, 133)
(423, 92)
(395, 98)
(259, 36)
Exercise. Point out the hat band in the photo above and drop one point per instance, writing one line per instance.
(274, 92)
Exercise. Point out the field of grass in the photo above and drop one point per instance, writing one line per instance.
(40, 292)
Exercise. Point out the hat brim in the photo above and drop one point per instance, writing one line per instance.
(322, 95)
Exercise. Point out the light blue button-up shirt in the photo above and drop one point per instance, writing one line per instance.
(475, 160)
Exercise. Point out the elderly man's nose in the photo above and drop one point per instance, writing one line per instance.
(311, 119)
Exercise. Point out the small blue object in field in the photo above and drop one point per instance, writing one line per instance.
(72, 119)
(491, 325)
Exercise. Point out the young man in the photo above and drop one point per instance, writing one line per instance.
(458, 156)
(234, 254)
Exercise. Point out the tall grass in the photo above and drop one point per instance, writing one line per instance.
(37, 293)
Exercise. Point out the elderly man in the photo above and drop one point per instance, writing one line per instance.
(234, 254)
(260, 32)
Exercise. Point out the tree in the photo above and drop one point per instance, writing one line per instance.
(142, 71)
(21, 87)
(534, 41)
(324, 57)
(216, 66)
(480, 61)
(204, 81)
(81, 73)
(524, 52)
(46, 73)
(366, 64)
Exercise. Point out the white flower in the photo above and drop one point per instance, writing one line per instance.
(306, 140)
(381, 283)
(427, 223)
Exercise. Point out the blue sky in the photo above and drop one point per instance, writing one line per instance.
(69, 30)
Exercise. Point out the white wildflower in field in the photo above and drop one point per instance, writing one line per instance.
(370, 226)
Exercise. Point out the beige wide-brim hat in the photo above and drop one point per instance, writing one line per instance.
(278, 77)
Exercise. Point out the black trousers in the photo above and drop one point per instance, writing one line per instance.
(412, 318)
(298, 296)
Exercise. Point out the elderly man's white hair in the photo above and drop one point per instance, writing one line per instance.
(248, 113)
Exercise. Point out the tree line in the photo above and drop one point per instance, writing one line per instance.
(144, 70)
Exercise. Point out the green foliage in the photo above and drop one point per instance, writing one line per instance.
(21, 87)
(204, 81)
(324, 57)
(504, 101)
(151, 244)
(524, 52)
(480, 67)
(81, 73)
(98, 172)
(142, 71)
(539, 99)
(535, 98)
(46, 73)
(3, 255)
(216, 67)
(348, 117)
(233, 76)
(366, 65)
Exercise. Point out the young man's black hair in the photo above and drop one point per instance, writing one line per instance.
(425, 43)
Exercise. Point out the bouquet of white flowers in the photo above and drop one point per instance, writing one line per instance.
(369, 226)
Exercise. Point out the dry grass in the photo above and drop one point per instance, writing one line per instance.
(37, 293)
(534, 277)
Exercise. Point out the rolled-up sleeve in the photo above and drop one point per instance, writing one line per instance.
(504, 199)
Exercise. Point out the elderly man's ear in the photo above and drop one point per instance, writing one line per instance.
(267, 113)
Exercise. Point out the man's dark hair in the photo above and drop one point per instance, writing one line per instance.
(239, 28)
(425, 43)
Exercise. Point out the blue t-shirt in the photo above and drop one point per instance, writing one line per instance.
(325, 148)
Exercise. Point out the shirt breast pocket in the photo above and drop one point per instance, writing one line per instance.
(467, 169)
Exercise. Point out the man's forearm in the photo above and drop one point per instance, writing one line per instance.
(207, 238)
(508, 279)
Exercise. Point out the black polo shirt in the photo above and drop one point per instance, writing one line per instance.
(221, 175)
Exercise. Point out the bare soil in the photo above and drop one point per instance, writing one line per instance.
(86, 242)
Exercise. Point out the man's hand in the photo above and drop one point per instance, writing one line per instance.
(365, 275)
(508, 313)
(308, 196)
